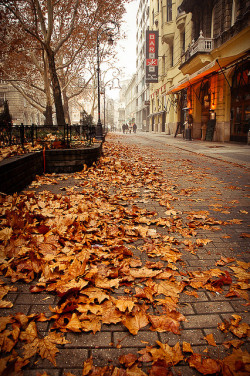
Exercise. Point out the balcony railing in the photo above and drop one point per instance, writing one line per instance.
(202, 45)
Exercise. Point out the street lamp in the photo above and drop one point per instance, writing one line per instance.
(111, 84)
(99, 130)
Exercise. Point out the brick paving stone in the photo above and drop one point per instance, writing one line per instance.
(219, 336)
(184, 371)
(201, 321)
(215, 307)
(66, 358)
(88, 340)
(35, 299)
(50, 372)
(184, 298)
(103, 357)
(142, 339)
(15, 309)
(193, 336)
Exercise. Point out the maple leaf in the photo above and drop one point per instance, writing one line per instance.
(46, 347)
(238, 363)
(206, 366)
(144, 272)
(159, 368)
(170, 288)
(164, 324)
(90, 323)
(135, 371)
(6, 234)
(135, 321)
(171, 355)
(128, 360)
(95, 293)
(4, 321)
(236, 343)
(74, 324)
(124, 303)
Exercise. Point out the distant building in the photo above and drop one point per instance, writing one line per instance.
(142, 89)
(20, 109)
(130, 100)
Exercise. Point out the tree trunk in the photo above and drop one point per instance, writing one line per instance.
(65, 100)
(48, 115)
(56, 87)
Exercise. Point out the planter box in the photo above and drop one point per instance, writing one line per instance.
(18, 172)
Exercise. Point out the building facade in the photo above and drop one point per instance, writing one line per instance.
(130, 100)
(142, 89)
(203, 68)
(20, 109)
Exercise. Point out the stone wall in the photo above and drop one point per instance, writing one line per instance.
(16, 173)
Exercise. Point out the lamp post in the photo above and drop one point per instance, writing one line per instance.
(99, 130)
(111, 84)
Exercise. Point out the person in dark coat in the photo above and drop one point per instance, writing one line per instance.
(134, 128)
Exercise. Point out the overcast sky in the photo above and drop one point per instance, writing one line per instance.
(126, 49)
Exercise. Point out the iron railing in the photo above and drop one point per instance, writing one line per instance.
(52, 136)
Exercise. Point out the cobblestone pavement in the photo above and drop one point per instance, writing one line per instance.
(201, 184)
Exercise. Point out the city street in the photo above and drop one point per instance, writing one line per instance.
(140, 262)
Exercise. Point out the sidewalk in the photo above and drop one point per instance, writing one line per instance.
(225, 151)
(142, 263)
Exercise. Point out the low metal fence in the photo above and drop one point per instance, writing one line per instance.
(55, 136)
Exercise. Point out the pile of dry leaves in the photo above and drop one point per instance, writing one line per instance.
(87, 244)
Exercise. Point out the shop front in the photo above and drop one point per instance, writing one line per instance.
(240, 103)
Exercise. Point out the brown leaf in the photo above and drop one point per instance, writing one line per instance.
(210, 339)
(128, 360)
(186, 347)
(206, 366)
(87, 366)
(74, 324)
(135, 321)
(238, 363)
(171, 355)
(165, 323)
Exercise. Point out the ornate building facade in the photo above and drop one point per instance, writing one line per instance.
(203, 68)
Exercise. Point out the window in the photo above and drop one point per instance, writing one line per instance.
(163, 65)
(171, 55)
(2, 98)
(169, 10)
(212, 22)
(182, 42)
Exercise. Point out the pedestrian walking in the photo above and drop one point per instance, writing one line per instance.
(123, 128)
(134, 128)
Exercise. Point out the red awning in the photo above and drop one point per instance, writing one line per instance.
(210, 68)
